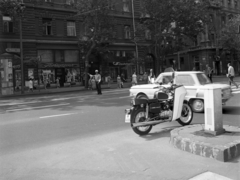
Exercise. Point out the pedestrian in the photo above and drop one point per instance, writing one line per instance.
(58, 83)
(122, 80)
(194, 69)
(134, 79)
(209, 72)
(98, 79)
(93, 82)
(119, 82)
(30, 85)
(151, 77)
(90, 82)
(145, 77)
(231, 75)
(108, 80)
(45, 83)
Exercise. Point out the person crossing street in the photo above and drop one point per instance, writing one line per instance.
(98, 79)
(231, 75)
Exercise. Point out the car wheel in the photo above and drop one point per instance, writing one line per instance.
(198, 105)
(142, 96)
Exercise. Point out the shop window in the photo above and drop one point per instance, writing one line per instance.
(30, 73)
(127, 32)
(46, 55)
(71, 28)
(126, 5)
(69, 2)
(72, 75)
(71, 55)
(7, 24)
(47, 76)
(47, 26)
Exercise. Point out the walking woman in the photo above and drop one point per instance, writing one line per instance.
(134, 79)
(151, 77)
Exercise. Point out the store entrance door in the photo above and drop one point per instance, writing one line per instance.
(60, 73)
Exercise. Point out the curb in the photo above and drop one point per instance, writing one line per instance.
(188, 139)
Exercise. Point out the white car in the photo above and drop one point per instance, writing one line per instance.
(192, 81)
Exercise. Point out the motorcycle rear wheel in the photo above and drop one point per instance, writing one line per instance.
(139, 116)
(186, 115)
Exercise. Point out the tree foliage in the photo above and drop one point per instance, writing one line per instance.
(230, 38)
(11, 8)
(98, 26)
(171, 20)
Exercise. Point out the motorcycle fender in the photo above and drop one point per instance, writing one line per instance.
(179, 96)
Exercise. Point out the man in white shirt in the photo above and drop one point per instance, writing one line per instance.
(231, 75)
(98, 79)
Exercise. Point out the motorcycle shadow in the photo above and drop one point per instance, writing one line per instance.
(159, 133)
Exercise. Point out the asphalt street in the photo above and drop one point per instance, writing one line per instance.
(81, 135)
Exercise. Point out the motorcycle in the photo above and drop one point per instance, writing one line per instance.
(168, 105)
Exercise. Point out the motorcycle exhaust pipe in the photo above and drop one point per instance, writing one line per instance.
(139, 124)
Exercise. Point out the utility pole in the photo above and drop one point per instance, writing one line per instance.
(21, 54)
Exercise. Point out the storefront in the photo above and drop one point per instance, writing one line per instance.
(66, 73)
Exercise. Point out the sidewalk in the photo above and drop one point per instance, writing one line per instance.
(63, 90)
(216, 79)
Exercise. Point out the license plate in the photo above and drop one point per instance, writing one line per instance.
(127, 116)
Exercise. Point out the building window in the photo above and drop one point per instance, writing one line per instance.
(71, 28)
(47, 26)
(126, 6)
(69, 2)
(47, 0)
(7, 24)
(148, 34)
(127, 32)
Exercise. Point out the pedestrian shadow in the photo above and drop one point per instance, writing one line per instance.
(233, 110)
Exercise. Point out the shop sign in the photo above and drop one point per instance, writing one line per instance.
(122, 64)
(58, 65)
(15, 50)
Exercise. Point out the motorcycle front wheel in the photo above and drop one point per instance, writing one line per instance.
(139, 116)
(186, 115)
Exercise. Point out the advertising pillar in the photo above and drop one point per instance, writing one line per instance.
(6, 74)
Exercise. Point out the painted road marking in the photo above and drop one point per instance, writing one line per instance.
(44, 117)
(30, 108)
(20, 103)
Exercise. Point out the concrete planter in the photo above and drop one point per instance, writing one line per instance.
(53, 85)
(67, 84)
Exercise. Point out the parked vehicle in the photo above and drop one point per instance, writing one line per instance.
(193, 81)
(167, 105)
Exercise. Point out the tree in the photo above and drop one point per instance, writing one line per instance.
(98, 27)
(230, 38)
(172, 20)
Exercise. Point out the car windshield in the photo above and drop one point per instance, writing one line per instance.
(203, 79)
